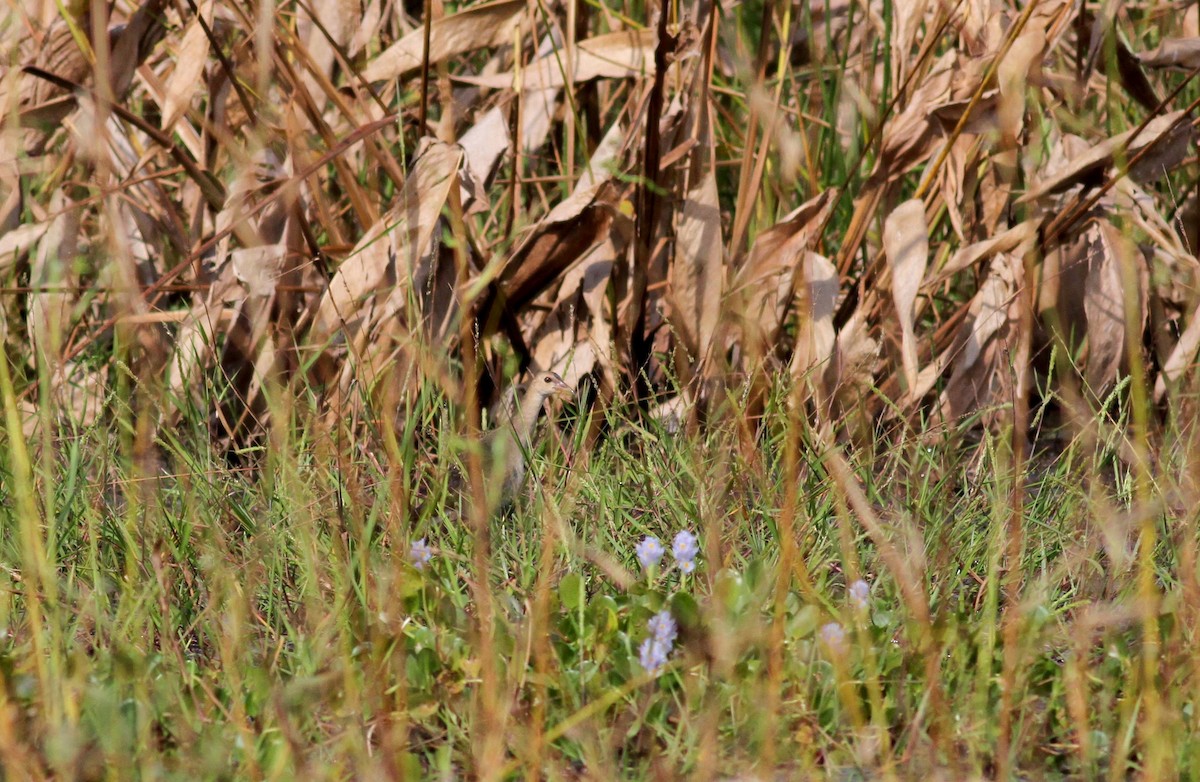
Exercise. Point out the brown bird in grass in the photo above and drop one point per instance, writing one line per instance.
(503, 449)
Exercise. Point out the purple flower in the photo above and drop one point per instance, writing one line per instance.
(419, 553)
(662, 627)
(859, 594)
(649, 552)
(685, 549)
(655, 650)
(653, 655)
(834, 637)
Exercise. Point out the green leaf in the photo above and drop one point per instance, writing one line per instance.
(570, 591)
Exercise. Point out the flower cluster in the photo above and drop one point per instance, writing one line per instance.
(834, 638)
(649, 552)
(655, 650)
(419, 553)
(860, 594)
(684, 548)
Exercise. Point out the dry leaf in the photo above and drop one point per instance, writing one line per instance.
(906, 244)
(190, 60)
(388, 254)
(1181, 53)
(816, 337)
(1107, 251)
(480, 26)
(1182, 358)
(557, 241)
(1008, 241)
(613, 56)
(1013, 77)
(259, 268)
(764, 287)
(1167, 153)
(695, 279)
(576, 336)
(981, 376)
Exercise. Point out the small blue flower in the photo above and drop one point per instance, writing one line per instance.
(685, 549)
(649, 552)
(859, 594)
(419, 553)
(662, 627)
(653, 655)
(834, 637)
(655, 650)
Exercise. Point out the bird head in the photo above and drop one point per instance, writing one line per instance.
(548, 384)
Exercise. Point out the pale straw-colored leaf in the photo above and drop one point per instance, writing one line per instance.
(763, 288)
(981, 376)
(388, 254)
(816, 336)
(259, 268)
(190, 59)
(695, 278)
(1013, 79)
(1111, 257)
(616, 55)
(478, 27)
(906, 244)
(1168, 152)
(1181, 53)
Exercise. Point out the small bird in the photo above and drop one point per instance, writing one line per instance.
(503, 448)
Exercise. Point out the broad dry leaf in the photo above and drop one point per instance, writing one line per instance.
(1182, 53)
(190, 60)
(958, 177)
(198, 335)
(16, 243)
(981, 376)
(1107, 251)
(1012, 77)
(612, 56)
(576, 337)
(908, 136)
(1008, 241)
(851, 370)
(763, 289)
(478, 27)
(1167, 153)
(1182, 358)
(388, 254)
(332, 23)
(483, 145)
(906, 244)
(539, 107)
(695, 278)
(558, 240)
(908, 16)
(815, 337)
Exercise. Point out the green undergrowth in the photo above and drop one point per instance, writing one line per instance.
(169, 612)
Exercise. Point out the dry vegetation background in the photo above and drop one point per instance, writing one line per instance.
(921, 217)
(902, 206)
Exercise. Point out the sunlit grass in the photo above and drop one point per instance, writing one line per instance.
(215, 621)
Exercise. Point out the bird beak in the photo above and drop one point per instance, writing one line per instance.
(563, 391)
